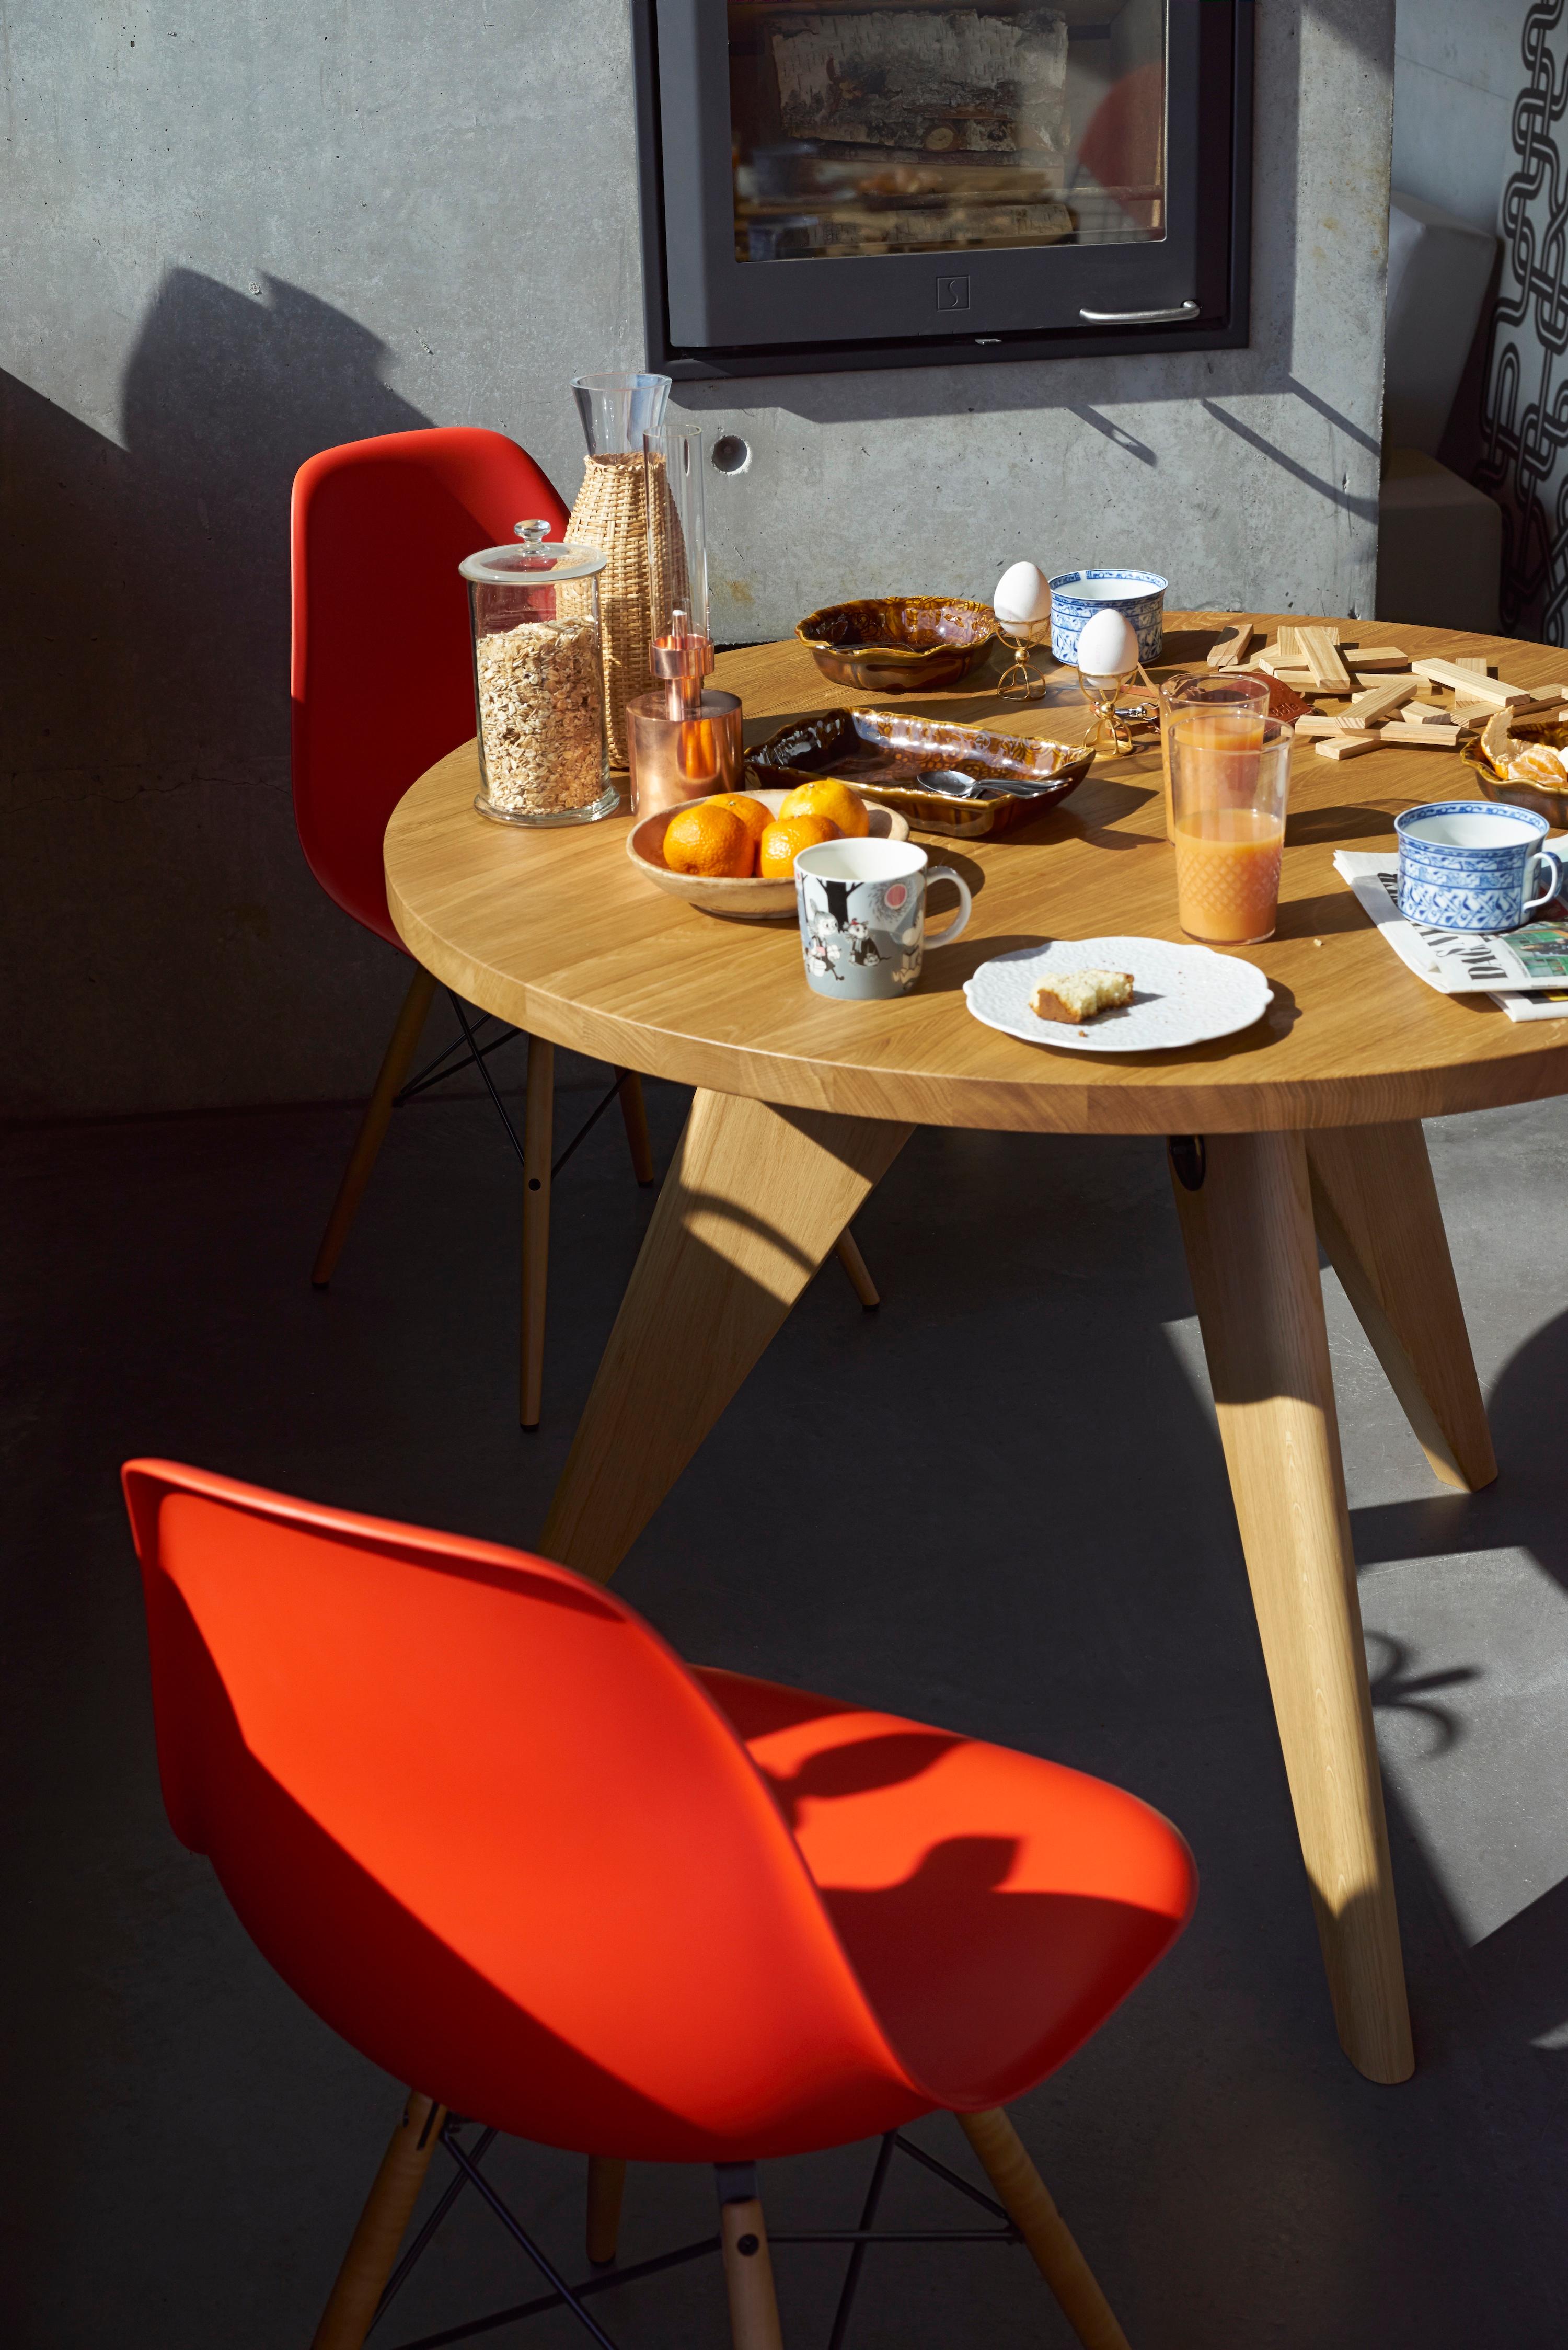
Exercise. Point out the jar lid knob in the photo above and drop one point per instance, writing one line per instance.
(533, 535)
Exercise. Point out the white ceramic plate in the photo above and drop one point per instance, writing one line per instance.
(1182, 995)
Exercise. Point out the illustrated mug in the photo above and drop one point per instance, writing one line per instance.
(1466, 865)
(863, 916)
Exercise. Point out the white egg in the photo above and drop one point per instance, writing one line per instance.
(1107, 646)
(1021, 594)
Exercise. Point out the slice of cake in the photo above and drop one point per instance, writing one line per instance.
(1075, 995)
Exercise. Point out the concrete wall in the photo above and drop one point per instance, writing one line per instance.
(1457, 72)
(235, 235)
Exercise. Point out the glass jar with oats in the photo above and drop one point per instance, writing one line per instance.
(538, 682)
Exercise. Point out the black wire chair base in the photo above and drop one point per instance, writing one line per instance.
(469, 2173)
(471, 1053)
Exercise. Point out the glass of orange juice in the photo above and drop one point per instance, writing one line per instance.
(1230, 778)
(1209, 689)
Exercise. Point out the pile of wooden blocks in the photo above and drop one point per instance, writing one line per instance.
(1388, 698)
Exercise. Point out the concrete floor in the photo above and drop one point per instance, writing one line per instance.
(186, 2146)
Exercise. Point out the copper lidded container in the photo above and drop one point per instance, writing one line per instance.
(538, 680)
(684, 738)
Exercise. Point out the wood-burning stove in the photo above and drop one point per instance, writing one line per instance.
(851, 183)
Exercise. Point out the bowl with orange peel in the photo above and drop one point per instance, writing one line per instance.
(733, 853)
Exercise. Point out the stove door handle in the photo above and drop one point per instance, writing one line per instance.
(1139, 317)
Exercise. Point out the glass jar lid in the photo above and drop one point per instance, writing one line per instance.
(533, 564)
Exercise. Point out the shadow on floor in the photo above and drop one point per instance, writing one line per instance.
(928, 1508)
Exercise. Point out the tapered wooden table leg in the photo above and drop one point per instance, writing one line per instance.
(538, 1142)
(607, 2185)
(401, 1048)
(1022, 2194)
(1253, 1255)
(634, 1117)
(373, 2247)
(754, 1200)
(1375, 1207)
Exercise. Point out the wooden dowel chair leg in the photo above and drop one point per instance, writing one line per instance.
(1023, 2195)
(373, 2247)
(607, 2185)
(395, 1061)
(538, 1131)
(748, 2270)
(846, 1250)
(634, 1117)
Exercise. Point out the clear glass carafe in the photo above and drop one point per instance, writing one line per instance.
(684, 738)
(538, 680)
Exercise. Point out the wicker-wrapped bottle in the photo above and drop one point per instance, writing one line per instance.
(611, 513)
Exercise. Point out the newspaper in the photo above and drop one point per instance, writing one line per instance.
(1525, 971)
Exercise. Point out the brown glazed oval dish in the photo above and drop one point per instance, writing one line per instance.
(1553, 804)
(884, 754)
(899, 644)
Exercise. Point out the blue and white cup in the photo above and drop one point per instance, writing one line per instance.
(862, 906)
(1077, 596)
(1465, 866)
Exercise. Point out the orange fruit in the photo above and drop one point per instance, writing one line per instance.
(710, 840)
(838, 802)
(783, 839)
(755, 815)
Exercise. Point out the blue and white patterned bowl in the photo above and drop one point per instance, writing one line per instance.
(1077, 596)
(1467, 866)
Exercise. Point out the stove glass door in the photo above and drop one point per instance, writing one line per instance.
(860, 128)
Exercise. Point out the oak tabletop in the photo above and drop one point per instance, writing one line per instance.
(555, 932)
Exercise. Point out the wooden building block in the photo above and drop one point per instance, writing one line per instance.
(1299, 680)
(1432, 713)
(1312, 726)
(1469, 714)
(1287, 641)
(1231, 647)
(1370, 709)
(1320, 652)
(1477, 661)
(1424, 738)
(1351, 747)
(1374, 657)
(1474, 684)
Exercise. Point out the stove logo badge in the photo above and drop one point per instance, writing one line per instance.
(953, 293)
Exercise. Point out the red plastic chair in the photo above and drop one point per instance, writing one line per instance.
(494, 1832)
(382, 688)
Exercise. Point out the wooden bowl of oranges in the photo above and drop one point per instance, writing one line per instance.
(734, 852)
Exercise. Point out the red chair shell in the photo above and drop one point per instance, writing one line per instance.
(494, 1832)
(382, 677)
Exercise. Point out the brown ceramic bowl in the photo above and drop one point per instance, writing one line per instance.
(1540, 798)
(899, 644)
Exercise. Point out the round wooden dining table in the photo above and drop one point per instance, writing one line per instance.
(1305, 1128)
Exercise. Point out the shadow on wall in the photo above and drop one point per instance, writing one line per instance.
(223, 400)
(146, 617)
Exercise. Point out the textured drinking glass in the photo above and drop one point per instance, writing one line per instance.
(1231, 778)
(1229, 690)
(618, 410)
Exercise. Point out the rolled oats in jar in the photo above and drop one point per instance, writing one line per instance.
(538, 682)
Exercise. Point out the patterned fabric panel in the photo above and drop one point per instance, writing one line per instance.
(1524, 463)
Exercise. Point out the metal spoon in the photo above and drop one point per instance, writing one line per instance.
(952, 782)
